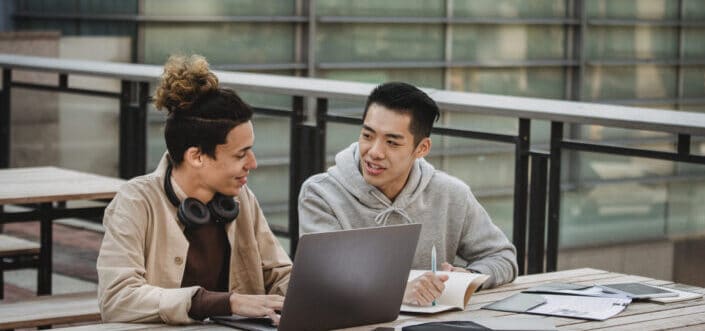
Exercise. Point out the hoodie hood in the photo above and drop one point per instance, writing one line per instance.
(347, 172)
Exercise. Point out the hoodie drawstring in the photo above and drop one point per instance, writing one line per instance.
(381, 218)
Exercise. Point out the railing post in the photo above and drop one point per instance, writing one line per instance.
(683, 145)
(307, 157)
(297, 119)
(321, 114)
(554, 197)
(521, 172)
(133, 129)
(5, 118)
(140, 147)
(537, 213)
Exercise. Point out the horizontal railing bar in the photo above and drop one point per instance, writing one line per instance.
(497, 137)
(380, 65)
(514, 63)
(514, 20)
(633, 22)
(51, 88)
(495, 105)
(260, 66)
(294, 19)
(343, 119)
(452, 64)
(628, 151)
(654, 101)
(350, 19)
(447, 20)
(123, 71)
(665, 62)
(161, 18)
(573, 112)
(271, 111)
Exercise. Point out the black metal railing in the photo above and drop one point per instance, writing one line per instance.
(535, 213)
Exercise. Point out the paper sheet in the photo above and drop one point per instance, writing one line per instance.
(581, 307)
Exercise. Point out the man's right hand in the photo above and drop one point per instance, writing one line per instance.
(257, 305)
(422, 290)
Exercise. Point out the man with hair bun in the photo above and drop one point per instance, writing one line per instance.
(189, 240)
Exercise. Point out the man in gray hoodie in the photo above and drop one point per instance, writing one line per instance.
(383, 179)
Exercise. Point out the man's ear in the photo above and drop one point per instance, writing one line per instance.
(193, 157)
(423, 148)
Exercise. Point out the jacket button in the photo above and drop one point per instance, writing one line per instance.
(178, 260)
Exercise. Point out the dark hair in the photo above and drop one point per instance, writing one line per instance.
(407, 99)
(201, 114)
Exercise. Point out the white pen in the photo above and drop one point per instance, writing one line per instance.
(433, 266)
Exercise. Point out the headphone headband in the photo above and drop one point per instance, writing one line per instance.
(168, 188)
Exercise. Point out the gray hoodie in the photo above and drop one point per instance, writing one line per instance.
(452, 219)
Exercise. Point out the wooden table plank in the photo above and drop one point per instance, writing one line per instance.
(696, 327)
(51, 184)
(49, 310)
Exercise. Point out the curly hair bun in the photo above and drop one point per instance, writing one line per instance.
(185, 78)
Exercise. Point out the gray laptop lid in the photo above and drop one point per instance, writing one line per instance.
(348, 278)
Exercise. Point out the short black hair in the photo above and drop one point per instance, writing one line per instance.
(407, 99)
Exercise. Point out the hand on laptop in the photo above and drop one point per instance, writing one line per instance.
(257, 305)
(422, 290)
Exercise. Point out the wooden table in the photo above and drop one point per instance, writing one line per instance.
(640, 316)
(45, 190)
(50, 310)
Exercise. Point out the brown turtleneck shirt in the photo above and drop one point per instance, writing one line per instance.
(207, 266)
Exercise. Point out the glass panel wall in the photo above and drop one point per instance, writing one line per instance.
(625, 52)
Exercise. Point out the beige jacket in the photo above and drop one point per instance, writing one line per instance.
(142, 258)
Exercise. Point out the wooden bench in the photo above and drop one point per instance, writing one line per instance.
(50, 310)
(16, 253)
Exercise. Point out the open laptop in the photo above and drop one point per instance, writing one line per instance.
(344, 278)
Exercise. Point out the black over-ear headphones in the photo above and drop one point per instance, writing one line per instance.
(192, 213)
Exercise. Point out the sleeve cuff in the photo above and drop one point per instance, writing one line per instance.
(482, 269)
(174, 305)
(206, 303)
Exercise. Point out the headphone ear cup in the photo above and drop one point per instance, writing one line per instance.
(193, 213)
(223, 208)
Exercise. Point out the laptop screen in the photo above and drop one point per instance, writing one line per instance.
(349, 278)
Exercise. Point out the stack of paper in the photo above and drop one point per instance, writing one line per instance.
(585, 307)
(573, 289)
